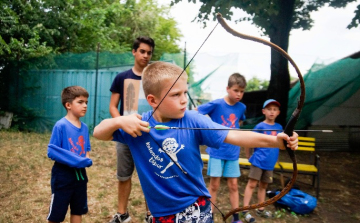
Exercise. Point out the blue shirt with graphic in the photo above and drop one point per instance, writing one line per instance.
(68, 144)
(266, 158)
(167, 189)
(226, 115)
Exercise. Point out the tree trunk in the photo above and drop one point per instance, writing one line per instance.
(280, 78)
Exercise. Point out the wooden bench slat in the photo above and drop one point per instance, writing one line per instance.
(301, 167)
(306, 143)
(301, 138)
(309, 149)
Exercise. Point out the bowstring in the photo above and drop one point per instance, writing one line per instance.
(177, 164)
(182, 72)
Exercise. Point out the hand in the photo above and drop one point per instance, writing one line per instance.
(133, 125)
(292, 142)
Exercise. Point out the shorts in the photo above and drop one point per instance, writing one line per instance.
(258, 174)
(125, 162)
(199, 212)
(225, 168)
(61, 198)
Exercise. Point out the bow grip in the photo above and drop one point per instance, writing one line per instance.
(289, 128)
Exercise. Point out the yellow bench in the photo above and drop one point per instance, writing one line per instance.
(306, 144)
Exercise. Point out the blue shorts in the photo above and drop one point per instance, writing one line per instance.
(225, 168)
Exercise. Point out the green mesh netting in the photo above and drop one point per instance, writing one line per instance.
(326, 88)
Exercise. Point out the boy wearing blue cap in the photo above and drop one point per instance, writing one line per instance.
(262, 160)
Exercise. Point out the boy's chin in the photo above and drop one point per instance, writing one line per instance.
(178, 116)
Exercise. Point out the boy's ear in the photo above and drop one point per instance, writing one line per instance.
(67, 105)
(151, 99)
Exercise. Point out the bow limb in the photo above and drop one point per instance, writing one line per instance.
(289, 126)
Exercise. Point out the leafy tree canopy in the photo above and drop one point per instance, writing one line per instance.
(255, 84)
(35, 28)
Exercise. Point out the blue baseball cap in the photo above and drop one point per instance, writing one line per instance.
(271, 101)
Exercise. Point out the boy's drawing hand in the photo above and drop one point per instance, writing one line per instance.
(133, 125)
(292, 142)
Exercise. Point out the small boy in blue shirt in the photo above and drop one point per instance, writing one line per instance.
(230, 112)
(175, 193)
(262, 160)
(69, 147)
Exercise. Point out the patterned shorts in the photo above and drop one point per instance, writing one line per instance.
(198, 212)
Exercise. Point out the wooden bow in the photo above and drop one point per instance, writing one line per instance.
(289, 126)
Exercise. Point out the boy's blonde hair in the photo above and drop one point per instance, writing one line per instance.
(156, 73)
(68, 94)
(237, 79)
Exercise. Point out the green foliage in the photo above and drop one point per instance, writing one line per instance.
(255, 84)
(29, 120)
(356, 20)
(36, 28)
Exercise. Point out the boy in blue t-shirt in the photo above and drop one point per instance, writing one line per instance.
(69, 147)
(230, 112)
(262, 160)
(168, 162)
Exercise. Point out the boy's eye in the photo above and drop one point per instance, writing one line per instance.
(144, 51)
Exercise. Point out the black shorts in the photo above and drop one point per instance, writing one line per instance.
(68, 188)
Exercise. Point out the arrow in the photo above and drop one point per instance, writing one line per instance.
(164, 127)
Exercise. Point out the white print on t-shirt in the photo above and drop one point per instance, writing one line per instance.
(170, 146)
(154, 158)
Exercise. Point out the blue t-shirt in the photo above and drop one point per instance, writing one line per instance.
(265, 158)
(129, 86)
(69, 137)
(226, 115)
(68, 147)
(167, 189)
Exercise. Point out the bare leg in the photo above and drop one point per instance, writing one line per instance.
(124, 189)
(233, 192)
(249, 191)
(262, 193)
(75, 218)
(213, 188)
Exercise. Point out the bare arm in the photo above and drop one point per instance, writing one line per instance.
(254, 139)
(131, 124)
(114, 103)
